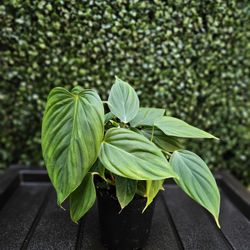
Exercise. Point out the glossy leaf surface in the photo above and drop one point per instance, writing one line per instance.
(83, 198)
(176, 127)
(123, 101)
(196, 180)
(72, 132)
(131, 155)
(125, 190)
(147, 117)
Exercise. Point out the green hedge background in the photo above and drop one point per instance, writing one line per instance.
(190, 57)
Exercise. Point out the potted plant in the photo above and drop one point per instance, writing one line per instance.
(131, 150)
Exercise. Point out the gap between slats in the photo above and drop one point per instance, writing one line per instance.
(36, 220)
(171, 222)
(223, 236)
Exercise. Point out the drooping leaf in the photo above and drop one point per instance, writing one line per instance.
(152, 189)
(83, 198)
(131, 155)
(125, 190)
(164, 142)
(72, 132)
(176, 127)
(196, 180)
(123, 101)
(147, 117)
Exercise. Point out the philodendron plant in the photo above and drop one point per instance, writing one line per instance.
(131, 147)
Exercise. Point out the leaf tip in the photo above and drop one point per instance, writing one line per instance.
(75, 221)
(59, 203)
(146, 206)
(217, 222)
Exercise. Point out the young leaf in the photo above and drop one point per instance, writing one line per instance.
(147, 117)
(131, 155)
(164, 142)
(123, 101)
(196, 180)
(83, 198)
(176, 127)
(152, 189)
(125, 190)
(72, 132)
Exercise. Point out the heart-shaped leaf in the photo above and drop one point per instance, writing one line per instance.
(83, 198)
(147, 117)
(123, 101)
(131, 155)
(176, 127)
(125, 190)
(72, 132)
(196, 180)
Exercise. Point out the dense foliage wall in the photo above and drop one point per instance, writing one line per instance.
(190, 57)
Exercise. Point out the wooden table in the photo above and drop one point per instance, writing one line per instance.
(30, 218)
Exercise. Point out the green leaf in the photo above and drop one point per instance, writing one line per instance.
(176, 127)
(72, 132)
(77, 90)
(131, 155)
(123, 101)
(164, 142)
(196, 180)
(152, 189)
(83, 198)
(125, 190)
(147, 117)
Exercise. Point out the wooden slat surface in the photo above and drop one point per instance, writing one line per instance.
(55, 230)
(194, 225)
(30, 219)
(234, 225)
(17, 215)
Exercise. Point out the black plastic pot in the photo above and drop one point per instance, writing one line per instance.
(127, 229)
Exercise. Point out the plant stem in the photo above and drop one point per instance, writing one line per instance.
(152, 134)
(114, 123)
(123, 125)
(167, 153)
(112, 178)
(110, 182)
